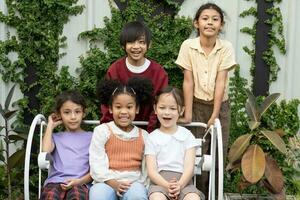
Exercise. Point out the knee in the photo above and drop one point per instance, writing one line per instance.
(137, 191)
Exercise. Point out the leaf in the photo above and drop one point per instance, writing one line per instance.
(280, 132)
(233, 166)
(8, 115)
(251, 106)
(1, 127)
(253, 125)
(252, 113)
(2, 158)
(16, 159)
(17, 137)
(268, 101)
(276, 140)
(238, 147)
(273, 175)
(253, 164)
(8, 98)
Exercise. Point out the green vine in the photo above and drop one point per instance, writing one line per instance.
(38, 25)
(276, 39)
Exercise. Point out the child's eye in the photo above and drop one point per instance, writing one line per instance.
(142, 42)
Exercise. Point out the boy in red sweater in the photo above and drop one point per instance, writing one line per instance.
(135, 40)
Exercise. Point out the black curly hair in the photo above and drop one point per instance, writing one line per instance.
(138, 87)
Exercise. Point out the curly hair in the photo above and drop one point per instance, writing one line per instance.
(138, 87)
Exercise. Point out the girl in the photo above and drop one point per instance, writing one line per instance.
(69, 171)
(117, 147)
(170, 151)
(206, 61)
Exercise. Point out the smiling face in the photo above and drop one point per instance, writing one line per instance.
(124, 109)
(168, 112)
(71, 115)
(136, 51)
(209, 23)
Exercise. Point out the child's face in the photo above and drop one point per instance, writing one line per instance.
(71, 115)
(167, 113)
(136, 51)
(209, 23)
(124, 110)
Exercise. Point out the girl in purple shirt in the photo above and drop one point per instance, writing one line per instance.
(69, 171)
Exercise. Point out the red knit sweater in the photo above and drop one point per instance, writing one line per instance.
(157, 75)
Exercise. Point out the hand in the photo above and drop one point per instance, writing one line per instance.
(69, 184)
(54, 120)
(122, 187)
(184, 120)
(174, 189)
(210, 122)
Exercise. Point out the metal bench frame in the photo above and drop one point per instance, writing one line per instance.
(202, 162)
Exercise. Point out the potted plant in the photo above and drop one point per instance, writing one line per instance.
(249, 154)
(9, 136)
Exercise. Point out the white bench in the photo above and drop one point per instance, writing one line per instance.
(202, 162)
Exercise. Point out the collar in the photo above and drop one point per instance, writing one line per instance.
(138, 69)
(134, 133)
(195, 44)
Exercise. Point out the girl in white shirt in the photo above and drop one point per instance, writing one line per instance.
(170, 152)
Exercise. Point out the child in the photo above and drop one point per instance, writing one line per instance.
(170, 151)
(117, 147)
(135, 40)
(206, 61)
(69, 172)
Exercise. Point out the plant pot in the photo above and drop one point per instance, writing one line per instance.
(235, 196)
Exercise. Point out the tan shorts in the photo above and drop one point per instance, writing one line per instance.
(168, 175)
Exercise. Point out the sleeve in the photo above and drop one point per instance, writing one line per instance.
(149, 147)
(228, 58)
(191, 141)
(98, 159)
(183, 59)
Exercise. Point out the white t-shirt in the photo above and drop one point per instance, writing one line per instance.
(169, 149)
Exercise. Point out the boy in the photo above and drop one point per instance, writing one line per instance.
(135, 39)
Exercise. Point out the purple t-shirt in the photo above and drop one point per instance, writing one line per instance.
(70, 156)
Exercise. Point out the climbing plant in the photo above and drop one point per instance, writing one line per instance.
(276, 38)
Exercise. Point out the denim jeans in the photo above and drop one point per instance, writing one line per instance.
(102, 191)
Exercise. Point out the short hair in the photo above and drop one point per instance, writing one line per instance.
(69, 95)
(132, 31)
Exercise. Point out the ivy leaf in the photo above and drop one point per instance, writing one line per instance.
(8, 98)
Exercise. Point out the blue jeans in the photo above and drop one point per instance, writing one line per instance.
(102, 191)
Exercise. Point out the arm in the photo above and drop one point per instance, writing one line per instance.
(153, 174)
(218, 96)
(47, 143)
(188, 169)
(188, 93)
(97, 157)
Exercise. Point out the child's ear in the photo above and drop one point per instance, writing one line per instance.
(182, 111)
(196, 24)
(110, 110)
(154, 108)
(84, 113)
(150, 44)
(137, 110)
